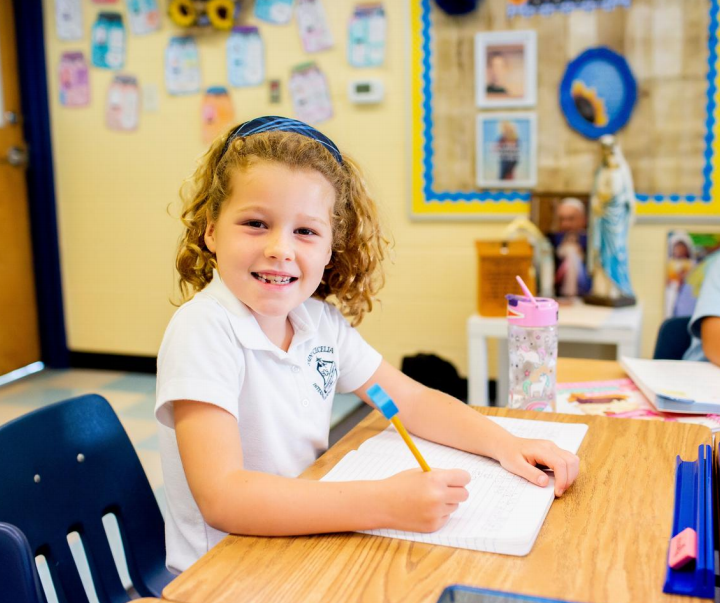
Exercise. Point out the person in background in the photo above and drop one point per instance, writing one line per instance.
(571, 215)
(571, 277)
(705, 322)
(507, 147)
(278, 224)
(496, 73)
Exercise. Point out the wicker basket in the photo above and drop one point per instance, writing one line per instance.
(498, 264)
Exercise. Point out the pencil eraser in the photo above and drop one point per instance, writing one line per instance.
(683, 548)
(383, 402)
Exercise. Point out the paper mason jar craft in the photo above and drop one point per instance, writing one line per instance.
(310, 94)
(144, 16)
(277, 12)
(182, 66)
(74, 83)
(123, 104)
(366, 36)
(312, 24)
(68, 19)
(217, 113)
(108, 41)
(245, 61)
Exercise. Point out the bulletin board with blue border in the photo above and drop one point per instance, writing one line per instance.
(670, 140)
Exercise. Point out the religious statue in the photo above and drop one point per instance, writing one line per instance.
(612, 207)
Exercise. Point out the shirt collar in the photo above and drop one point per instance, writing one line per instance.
(305, 319)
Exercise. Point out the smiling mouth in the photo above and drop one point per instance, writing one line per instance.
(274, 279)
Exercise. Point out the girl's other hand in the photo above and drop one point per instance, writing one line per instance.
(522, 455)
(419, 501)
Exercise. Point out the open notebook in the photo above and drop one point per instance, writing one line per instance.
(682, 386)
(503, 513)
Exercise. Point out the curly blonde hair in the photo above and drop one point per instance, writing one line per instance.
(354, 275)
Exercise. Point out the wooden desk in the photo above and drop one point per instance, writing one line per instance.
(604, 541)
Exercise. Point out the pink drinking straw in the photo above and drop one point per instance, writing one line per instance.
(526, 291)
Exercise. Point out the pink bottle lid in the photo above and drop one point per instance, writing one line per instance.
(521, 311)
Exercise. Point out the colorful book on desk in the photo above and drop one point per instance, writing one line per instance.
(504, 512)
(620, 399)
(677, 386)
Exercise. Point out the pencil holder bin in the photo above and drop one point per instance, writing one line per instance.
(532, 348)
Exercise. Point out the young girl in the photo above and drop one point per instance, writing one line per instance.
(278, 222)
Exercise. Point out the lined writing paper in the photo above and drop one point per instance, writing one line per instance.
(503, 513)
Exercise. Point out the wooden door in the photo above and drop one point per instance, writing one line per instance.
(19, 339)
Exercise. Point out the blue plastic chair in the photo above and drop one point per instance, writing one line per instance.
(64, 467)
(19, 579)
(673, 339)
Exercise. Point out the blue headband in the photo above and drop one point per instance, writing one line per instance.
(273, 123)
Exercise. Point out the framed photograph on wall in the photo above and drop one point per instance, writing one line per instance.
(563, 219)
(506, 150)
(506, 69)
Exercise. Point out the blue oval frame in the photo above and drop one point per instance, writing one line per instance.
(567, 105)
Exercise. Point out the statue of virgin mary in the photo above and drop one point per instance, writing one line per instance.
(612, 207)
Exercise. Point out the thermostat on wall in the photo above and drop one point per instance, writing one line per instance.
(366, 91)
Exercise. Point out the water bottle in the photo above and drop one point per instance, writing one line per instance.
(532, 348)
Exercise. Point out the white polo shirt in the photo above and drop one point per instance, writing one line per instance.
(214, 351)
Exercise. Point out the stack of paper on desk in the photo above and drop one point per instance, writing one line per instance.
(504, 512)
(677, 385)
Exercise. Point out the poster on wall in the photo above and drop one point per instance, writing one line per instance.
(277, 12)
(312, 23)
(68, 19)
(506, 69)
(74, 81)
(310, 94)
(530, 8)
(182, 66)
(245, 61)
(122, 112)
(144, 16)
(217, 113)
(108, 41)
(688, 254)
(366, 36)
(506, 150)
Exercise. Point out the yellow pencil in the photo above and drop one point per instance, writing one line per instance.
(387, 407)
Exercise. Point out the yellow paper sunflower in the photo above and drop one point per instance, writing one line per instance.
(589, 104)
(221, 13)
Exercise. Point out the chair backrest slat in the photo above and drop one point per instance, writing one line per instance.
(100, 559)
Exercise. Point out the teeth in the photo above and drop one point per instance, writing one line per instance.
(271, 278)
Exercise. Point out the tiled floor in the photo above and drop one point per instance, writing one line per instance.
(132, 396)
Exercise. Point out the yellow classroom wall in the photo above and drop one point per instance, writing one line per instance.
(117, 196)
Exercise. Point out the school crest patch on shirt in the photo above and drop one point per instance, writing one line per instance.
(321, 361)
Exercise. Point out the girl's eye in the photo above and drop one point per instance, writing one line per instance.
(305, 231)
(254, 224)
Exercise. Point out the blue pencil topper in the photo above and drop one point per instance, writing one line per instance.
(383, 402)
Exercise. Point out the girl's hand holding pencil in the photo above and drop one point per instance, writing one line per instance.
(420, 501)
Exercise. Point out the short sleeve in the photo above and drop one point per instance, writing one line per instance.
(358, 360)
(708, 303)
(199, 359)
